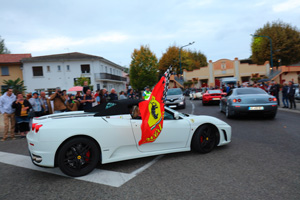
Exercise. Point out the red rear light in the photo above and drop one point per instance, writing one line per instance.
(234, 100)
(37, 127)
(274, 99)
(239, 100)
(33, 126)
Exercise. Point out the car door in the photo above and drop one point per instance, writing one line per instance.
(174, 135)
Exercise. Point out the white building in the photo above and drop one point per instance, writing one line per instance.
(45, 73)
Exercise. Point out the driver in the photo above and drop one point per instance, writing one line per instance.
(136, 114)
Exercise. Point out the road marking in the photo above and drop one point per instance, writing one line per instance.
(105, 177)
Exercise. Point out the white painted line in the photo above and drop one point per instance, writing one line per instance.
(140, 170)
(105, 177)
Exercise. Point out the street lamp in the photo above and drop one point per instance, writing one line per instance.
(180, 54)
(271, 52)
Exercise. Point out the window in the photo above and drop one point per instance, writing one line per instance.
(114, 72)
(4, 71)
(105, 69)
(85, 69)
(110, 69)
(48, 68)
(223, 65)
(58, 68)
(68, 67)
(37, 71)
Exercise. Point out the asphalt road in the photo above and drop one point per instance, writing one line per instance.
(261, 162)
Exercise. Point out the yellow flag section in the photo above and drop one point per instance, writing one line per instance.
(152, 112)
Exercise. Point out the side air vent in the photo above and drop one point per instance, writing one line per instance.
(225, 135)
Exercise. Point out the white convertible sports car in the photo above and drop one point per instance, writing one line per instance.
(77, 141)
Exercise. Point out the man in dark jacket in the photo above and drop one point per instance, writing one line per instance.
(113, 95)
(291, 95)
(274, 90)
(285, 98)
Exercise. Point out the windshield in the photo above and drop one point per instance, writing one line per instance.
(180, 114)
(214, 91)
(243, 91)
(176, 91)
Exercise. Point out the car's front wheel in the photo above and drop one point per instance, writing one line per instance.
(78, 156)
(204, 139)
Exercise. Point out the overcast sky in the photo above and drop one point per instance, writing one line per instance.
(113, 29)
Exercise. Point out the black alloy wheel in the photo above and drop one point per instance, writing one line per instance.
(78, 156)
(204, 139)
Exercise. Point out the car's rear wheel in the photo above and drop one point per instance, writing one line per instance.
(204, 139)
(221, 107)
(228, 112)
(78, 156)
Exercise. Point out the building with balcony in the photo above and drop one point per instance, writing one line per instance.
(45, 73)
(11, 68)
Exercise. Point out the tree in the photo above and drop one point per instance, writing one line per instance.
(17, 85)
(80, 81)
(3, 49)
(190, 60)
(285, 44)
(143, 68)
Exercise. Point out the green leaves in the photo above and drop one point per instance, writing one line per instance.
(143, 68)
(17, 85)
(3, 49)
(190, 60)
(285, 44)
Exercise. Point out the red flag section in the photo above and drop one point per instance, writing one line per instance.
(152, 113)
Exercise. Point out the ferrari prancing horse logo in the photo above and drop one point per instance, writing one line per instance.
(155, 113)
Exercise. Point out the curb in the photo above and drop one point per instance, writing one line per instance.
(289, 110)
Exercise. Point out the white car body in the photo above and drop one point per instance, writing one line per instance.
(196, 95)
(117, 136)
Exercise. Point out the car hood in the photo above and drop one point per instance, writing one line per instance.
(174, 96)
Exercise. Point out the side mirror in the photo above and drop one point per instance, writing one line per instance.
(176, 115)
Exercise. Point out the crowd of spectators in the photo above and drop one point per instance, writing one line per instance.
(18, 110)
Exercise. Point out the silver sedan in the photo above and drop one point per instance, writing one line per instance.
(248, 101)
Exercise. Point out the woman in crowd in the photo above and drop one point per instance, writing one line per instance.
(102, 96)
(122, 95)
(79, 97)
(37, 105)
(72, 104)
(97, 97)
(22, 107)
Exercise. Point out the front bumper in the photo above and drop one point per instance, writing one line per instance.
(225, 134)
(175, 104)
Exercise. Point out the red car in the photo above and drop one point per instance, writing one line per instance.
(212, 96)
